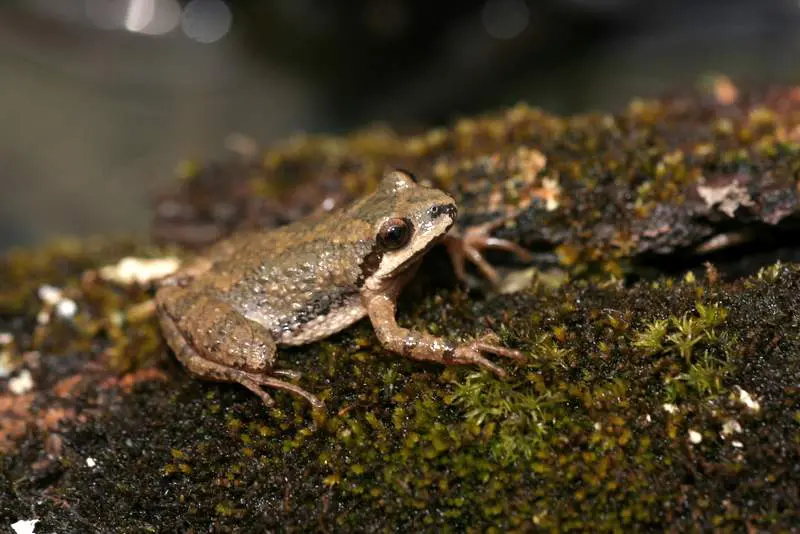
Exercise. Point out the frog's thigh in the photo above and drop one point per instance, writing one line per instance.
(201, 329)
(205, 350)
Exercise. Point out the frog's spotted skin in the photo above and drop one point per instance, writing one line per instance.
(225, 313)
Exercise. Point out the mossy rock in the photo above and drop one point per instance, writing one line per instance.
(672, 402)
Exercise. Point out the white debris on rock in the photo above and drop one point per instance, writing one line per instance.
(695, 436)
(730, 427)
(669, 408)
(552, 193)
(24, 526)
(66, 308)
(22, 383)
(728, 198)
(745, 398)
(54, 300)
(91, 462)
(50, 294)
(132, 270)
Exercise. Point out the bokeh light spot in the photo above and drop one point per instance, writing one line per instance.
(166, 15)
(140, 13)
(206, 21)
(505, 19)
(150, 17)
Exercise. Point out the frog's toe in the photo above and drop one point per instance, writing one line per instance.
(460, 250)
(277, 383)
(473, 353)
(470, 355)
(488, 343)
(253, 385)
(291, 374)
(495, 243)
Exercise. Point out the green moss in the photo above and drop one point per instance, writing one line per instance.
(651, 339)
(706, 350)
(511, 417)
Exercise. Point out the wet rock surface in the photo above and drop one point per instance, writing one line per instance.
(657, 391)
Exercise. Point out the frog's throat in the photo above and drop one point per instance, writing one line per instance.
(400, 270)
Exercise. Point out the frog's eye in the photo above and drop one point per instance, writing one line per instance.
(394, 234)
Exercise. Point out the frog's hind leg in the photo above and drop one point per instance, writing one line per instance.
(214, 342)
(253, 381)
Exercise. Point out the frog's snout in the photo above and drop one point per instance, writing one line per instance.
(434, 212)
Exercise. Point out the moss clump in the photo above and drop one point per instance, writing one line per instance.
(705, 350)
(513, 416)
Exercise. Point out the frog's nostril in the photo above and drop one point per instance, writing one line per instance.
(443, 209)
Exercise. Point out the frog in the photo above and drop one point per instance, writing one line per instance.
(226, 313)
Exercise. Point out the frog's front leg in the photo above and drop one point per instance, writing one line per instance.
(476, 239)
(216, 342)
(422, 346)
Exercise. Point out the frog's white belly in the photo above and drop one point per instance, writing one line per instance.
(294, 333)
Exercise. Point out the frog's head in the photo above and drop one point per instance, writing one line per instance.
(406, 220)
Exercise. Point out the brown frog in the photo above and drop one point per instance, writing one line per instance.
(225, 314)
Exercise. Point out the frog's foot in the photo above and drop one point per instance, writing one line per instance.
(253, 382)
(425, 347)
(473, 242)
(471, 353)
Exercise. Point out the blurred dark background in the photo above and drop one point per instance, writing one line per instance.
(101, 99)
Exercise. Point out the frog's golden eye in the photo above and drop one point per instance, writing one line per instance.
(395, 234)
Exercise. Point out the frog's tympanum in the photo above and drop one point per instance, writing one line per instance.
(226, 312)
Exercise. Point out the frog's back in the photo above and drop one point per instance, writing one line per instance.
(298, 282)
